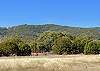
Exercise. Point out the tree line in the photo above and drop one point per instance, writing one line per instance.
(55, 42)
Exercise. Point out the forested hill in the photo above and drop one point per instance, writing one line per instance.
(3, 31)
(23, 39)
(34, 30)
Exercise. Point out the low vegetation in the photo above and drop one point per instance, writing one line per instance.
(56, 42)
(51, 63)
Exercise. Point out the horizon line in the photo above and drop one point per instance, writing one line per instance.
(6, 26)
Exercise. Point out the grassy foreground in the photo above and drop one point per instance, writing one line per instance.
(51, 63)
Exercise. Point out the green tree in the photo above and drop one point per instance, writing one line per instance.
(80, 41)
(62, 45)
(8, 48)
(33, 47)
(92, 47)
(24, 49)
(45, 41)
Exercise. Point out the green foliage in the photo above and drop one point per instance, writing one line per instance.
(7, 48)
(62, 45)
(45, 41)
(24, 39)
(80, 41)
(14, 46)
(24, 49)
(33, 47)
(27, 32)
(92, 47)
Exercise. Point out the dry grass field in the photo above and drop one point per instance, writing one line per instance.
(51, 63)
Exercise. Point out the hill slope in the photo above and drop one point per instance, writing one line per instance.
(33, 30)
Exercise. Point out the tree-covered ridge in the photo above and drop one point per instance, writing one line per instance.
(3, 31)
(34, 30)
(26, 39)
(29, 32)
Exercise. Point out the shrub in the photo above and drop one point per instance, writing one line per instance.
(24, 49)
(92, 47)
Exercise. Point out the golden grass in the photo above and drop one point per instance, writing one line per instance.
(51, 63)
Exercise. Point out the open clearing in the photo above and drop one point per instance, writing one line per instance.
(51, 63)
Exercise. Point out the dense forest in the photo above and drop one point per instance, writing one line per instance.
(22, 40)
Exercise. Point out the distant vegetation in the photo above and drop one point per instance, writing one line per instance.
(23, 39)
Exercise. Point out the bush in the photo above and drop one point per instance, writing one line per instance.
(8, 48)
(24, 49)
(14, 46)
(62, 45)
(92, 47)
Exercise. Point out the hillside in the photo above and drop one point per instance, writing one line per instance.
(34, 30)
(3, 31)
(25, 39)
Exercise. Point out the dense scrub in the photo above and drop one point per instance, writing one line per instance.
(56, 42)
(14, 46)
